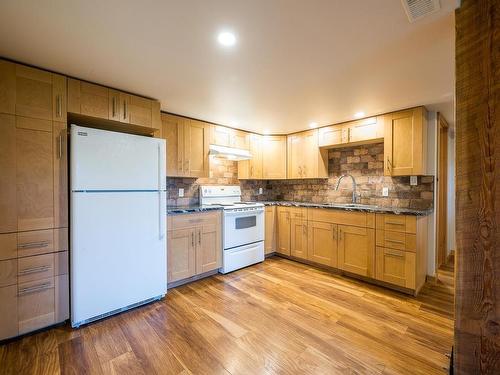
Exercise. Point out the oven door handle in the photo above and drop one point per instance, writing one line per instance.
(243, 213)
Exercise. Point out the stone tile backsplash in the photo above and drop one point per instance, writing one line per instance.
(365, 163)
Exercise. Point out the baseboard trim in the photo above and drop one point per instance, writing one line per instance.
(191, 279)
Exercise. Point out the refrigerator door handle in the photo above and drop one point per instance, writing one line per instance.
(160, 206)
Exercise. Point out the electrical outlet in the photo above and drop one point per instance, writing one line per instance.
(413, 181)
(181, 192)
(261, 191)
(385, 191)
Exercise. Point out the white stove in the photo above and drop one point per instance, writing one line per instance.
(243, 226)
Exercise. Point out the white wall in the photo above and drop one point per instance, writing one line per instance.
(431, 168)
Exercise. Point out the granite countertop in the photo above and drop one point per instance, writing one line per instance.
(346, 207)
(175, 210)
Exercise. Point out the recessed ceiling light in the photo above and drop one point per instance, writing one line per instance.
(359, 114)
(226, 39)
(313, 125)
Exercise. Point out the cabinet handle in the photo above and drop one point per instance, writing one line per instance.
(333, 233)
(395, 223)
(192, 239)
(395, 241)
(199, 237)
(124, 110)
(340, 234)
(348, 134)
(31, 245)
(114, 106)
(300, 171)
(396, 254)
(58, 106)
(305, 171)
(34, 288)
(251, 171)
(31, 270)
(59, 146)
(389, 164)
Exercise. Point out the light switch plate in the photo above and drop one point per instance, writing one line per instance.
(385, 191)
(181, 192)
(413, 181)
(261, 191)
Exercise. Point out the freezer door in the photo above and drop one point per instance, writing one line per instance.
(118, 251)
(105, 160)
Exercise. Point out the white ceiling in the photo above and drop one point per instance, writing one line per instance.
(295, 61)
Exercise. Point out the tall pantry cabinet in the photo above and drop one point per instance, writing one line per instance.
(33, 199)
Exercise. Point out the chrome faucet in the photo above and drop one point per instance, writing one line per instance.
(354, 194)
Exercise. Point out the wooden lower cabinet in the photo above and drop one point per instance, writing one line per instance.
(8, 312)
(322, 243)
(194, 245)
(396, 267)
(356, 248)
(270, 239)
(298, 238)
(283, 214)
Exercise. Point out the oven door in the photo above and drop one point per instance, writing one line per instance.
(243, 227)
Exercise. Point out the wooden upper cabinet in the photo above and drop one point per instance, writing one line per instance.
(367, 130)
(405, 142)
(60, 158)
(98, 101)
(305, 158)
(31, 92)
(229, 137)
(195, 148)
(187, 146)
(356, 250)
(88, 99)
(273, 157)
(8, 174)
(322, 243)
(252, 169)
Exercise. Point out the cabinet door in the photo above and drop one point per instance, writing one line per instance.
(181, 261)
(322, 243)
(298, 238)
(356, 248)
(309, 155)
(8, 191)
(208, 248)
(296, 156)
(8, 312)
(366, 130)
(59, 98)
(220, 135)
(256, 161)
(332, 136)
(273, 157)
(405, 146)
(7, 87)
(35, 189)
(283, 231)
(88, 99)
(396, 267)
(195, 149)
(170, 132)
(270, 230)
(34, 93)
(60, 147)
(138, 111)
(240, 139)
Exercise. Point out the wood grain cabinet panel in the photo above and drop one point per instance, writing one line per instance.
(356, 248)
(35, 268)
(405, 142)
(60, 168)
(8, 246)
(35, 242)
(208, 248)
(252, 169)
(334, 135)
(8, 173)
(171, 131)
(396, 267)
(229, 137)
(7, 87)
(273, 157)
(88, 99)
(322, 243)
(298, 238)
(283, 216)
(8, 312)
(61, 294)
(195, 149)
(305, 159)
(36, 305)
(270, 239)
(181, 259)
(8, 272)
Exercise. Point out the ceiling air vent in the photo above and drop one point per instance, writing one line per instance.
(416, 9)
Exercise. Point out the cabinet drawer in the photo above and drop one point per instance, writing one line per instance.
(298, 213)
(195, 219)
(397, 240)
(35, 242)
(359, 219)
(35, 268)
(397, 223)
(8, 246)
(396, 267)
(8, 312)
(36, 305)
(8, 272)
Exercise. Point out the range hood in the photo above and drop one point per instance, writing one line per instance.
(229, 153)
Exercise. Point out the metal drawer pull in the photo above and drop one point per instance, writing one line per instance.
(199, 237)
(31, 270)
(58, 106)
(31, 245)
(114, 106)
(395, 241)
(394, 223)
(395, 254)
(35, 288)
(59, 147)
(192, 239)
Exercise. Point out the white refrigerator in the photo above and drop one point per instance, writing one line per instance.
(118, 222)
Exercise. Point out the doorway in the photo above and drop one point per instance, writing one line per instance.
(442, 193)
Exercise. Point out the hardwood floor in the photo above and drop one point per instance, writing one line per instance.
(276, 317)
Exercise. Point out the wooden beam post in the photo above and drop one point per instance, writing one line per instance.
(477, 298)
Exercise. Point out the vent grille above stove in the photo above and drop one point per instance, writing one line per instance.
(416, 9)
